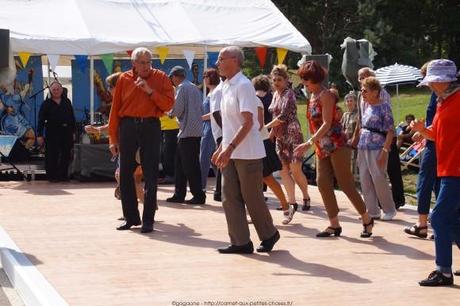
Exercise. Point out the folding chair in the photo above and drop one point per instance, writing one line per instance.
(411, 156)
(6, 144)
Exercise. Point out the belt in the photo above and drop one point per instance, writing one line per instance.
(383, 133)
(140, 119)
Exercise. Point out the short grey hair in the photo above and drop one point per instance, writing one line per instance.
(235, 51)
(352, 95)
(367, 71)
(139, 52)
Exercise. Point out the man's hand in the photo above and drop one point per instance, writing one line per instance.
(224, 157)
(142, 84)
(215, 155)
(114, 149)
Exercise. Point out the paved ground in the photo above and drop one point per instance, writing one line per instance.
(68, 232)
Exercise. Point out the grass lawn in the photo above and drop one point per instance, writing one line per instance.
(410, 101)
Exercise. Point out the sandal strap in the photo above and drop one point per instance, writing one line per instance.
(419, 228)
(367, 225)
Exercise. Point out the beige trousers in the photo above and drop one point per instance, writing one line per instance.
(243, 187)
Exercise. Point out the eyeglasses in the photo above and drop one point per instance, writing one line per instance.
(143, 63)
(221, 59)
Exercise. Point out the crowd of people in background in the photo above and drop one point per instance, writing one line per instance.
(244, 131)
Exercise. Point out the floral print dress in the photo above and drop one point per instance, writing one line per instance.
(334, 138)
(289, 133)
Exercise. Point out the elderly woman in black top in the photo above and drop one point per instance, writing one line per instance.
(56, 128)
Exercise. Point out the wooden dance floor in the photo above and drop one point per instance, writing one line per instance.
(67, 230)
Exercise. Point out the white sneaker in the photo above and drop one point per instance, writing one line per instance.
(389, 216)
(289, 214)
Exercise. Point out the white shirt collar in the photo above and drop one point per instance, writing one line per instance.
(235, 78)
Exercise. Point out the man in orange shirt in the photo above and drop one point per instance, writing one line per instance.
(141, 96)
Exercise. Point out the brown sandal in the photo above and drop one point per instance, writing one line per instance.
(415, 230)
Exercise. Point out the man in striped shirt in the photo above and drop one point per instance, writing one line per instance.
(188, 110)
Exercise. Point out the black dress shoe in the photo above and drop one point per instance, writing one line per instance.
(195, 201)
(330, 231)
(175, 199)
(237, 249)
(217, 197)
(146, 229)
(127, 225)
(267, 245)
(457, 273)
(436, 278)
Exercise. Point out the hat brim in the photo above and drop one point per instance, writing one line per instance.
(435, 79)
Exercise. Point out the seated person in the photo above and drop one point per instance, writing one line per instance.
(404, 132)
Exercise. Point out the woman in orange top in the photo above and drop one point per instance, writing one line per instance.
(333, 156)
(445, 132)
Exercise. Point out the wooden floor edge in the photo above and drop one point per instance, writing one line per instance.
(30, 284)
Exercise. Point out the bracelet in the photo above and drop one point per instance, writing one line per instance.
(309, 142)
(385, 150)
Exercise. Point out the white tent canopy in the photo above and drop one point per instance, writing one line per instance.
(94, 27)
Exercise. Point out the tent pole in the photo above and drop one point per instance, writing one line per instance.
(91, 89)
(49, 73)
(205, 67)
(399, 102)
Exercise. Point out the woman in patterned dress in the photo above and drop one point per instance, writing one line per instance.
(287, 131)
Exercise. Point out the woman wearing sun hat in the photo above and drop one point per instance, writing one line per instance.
(445, 131)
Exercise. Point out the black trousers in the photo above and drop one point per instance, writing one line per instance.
(188, 168)
(143, 134)
(394, 173)
(168, 151)
(57, 158)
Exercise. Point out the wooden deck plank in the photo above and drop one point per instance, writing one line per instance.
(68, 232)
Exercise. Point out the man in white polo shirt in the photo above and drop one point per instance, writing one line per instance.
(240, 158)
